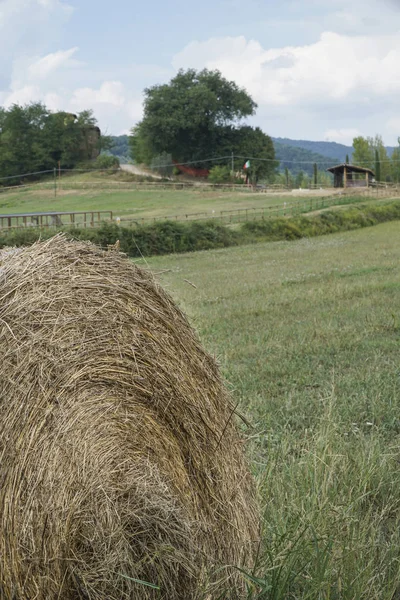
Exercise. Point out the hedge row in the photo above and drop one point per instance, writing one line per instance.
(159, 238)
(325, 222)
(169, 236)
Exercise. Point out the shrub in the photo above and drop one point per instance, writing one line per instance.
(106, 161)
(219, 174)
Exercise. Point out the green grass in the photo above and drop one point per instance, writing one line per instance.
(308, 336)
(121, 193)
(134, 203)
(103, 191)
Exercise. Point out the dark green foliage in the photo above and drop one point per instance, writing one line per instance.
(187, 116)
(197, 116)
(287, 176)
(252, 143)
(377, 166)
(170, 236)
(34, 139)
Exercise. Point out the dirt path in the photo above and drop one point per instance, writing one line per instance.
(138, 171)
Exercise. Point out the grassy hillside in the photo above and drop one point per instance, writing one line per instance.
(308, 334)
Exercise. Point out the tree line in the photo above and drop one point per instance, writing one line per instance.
(198, 115)
(371, 153)
(33, 139)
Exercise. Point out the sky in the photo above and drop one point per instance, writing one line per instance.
(318, 69)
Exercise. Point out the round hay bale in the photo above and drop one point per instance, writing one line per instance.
(120, 462)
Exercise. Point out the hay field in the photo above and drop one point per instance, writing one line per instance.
(308, 335)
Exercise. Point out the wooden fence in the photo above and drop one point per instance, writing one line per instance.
(55, 220)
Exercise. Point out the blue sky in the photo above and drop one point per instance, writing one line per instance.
(318, 69)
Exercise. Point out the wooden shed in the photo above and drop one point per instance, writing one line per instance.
(346, 176)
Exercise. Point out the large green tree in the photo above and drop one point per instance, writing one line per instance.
(23, 139)
(371, 153)
(363, 154)
(382, 161)
(193, 117)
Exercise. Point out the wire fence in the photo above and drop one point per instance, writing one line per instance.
(60, 185)
(63, 185)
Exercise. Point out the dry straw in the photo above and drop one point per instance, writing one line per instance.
(119, 457)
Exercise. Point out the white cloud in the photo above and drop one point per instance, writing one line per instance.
(43, 67)
(392, 129)
(114, 106)
(53, 101)
(27, 29)
(23, 95)
(31, 22)
(338, 80)
(110, 92)
(135, 110)
(53, 78)
(334, 69)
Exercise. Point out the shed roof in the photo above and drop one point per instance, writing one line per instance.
(350, 168)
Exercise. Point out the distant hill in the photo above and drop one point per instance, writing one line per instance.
(120, 147)
(298, 159)
(330, 150)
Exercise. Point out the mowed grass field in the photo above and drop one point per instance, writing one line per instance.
(134, 203)
(308, 337)
(96, 192)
